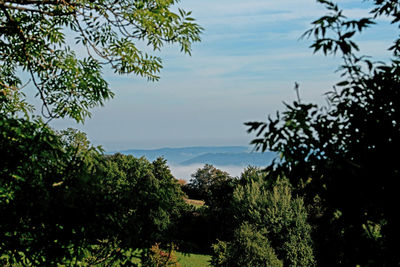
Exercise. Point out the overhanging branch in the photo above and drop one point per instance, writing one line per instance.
(21, 6)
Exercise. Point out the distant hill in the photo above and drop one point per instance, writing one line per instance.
(221, 156)
(233, 159)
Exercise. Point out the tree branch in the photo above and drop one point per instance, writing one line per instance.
(26, 9)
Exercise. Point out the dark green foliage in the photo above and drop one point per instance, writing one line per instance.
(193, 233)
(340, 157)
(142, 199)
(249, 248)
(59, 196)
(215, 187)
(204, 182)
(44, 182)
(282, 218)
(271, 222)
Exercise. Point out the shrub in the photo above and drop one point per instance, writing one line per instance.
(273, 228)
(158, 257)
(248, 248)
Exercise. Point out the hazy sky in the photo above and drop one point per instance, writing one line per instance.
(244, 68)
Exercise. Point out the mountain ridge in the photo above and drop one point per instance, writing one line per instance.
(235, 159)
(216, 155)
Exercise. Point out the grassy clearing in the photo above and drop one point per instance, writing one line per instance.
(193, 260)
(184, 259)
(194, 202)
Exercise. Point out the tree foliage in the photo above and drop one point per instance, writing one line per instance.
(201, 227)
(59, 196)
(36, 39)
(272, 227)
(249, 247)
(206, 182)
(44, 182)
(143, 199)
(340, 157)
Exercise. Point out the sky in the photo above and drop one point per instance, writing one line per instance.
(243, 70)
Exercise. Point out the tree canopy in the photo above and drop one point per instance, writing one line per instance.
(340, 157)
(37, 41)
(270, 225)
(60, 196)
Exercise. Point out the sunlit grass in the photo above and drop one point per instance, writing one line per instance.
(193, 260)
(194, 202)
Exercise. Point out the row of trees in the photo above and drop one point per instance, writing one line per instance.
(251, 221)
(64, 201)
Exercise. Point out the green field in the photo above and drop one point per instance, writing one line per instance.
(185, 259)
(194, 202)
(193, 260)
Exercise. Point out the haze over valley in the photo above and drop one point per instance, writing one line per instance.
(186, 160)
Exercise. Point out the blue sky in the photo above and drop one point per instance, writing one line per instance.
(244, 68)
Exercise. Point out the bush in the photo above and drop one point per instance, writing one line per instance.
(157, 257)
(273, 224)
(248, 248)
